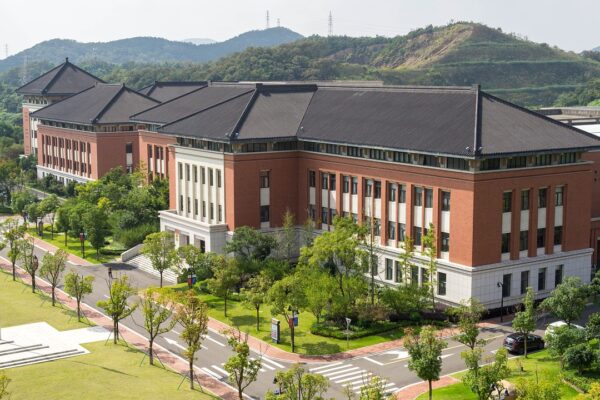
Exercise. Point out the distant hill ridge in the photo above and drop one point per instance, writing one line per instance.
(147, 49)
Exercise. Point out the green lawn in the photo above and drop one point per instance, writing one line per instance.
(547, 367)
(306, 343)
(73, 246)
(109, 371)
(19, 306)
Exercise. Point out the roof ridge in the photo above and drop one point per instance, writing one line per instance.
(62, 100)
(39, 77)
(245, 112)
(207, 108)
(168, 101)
(477, 128)
(108, 104)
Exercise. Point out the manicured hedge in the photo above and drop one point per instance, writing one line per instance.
(334, 331)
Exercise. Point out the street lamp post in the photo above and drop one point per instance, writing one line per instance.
(82, 240)
(501, 286)
(35, 263)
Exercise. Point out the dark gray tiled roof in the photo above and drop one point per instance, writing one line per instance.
(216, 122)
(165, 91)
(63, 80)
(101, 104)
(189, 103)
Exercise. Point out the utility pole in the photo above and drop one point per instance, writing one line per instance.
(278, 23)
(330, 30)
(268, 20)
(6, 50)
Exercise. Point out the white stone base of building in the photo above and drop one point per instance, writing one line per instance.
(60, 176)
(189, 231)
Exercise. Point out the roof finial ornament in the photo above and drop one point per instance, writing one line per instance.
(66, 59)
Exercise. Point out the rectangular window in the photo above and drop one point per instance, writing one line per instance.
(264, 213)
(430, 161)
(389, 269)
(542, 279)
(189, 203)
(417, 235)
(441, 284)
(324, 181)
(353, 151)
(376, 227)
(506, 282)
(418, 200)
(324, 215)
(181, 202)
(346, 187)
(354, 185)
(401, 232)
(424, 276)
(523, 240)
(402, 197)
(525, 200)
(506, 202)
(203, 175)
(376, 154)
(490, 164)
(311, 179)
(506, 243)
(377, 189)
(129, 148)
(187, 172)
(541, 238)
(428, 198)
(332, 182)
(517, 162)
(445, 245)
(542, 197)
(180, 170)
(218, 178)
(264, 179)
(391, 192)
(457, 163)
(195, 173)
(414, 275)
(332, 214)
(401, 157)
(558, 196)
(212, 211)
(558, 275)
(544, 159)
(369, 188)
(195, 206)
(398, 272)
(391, 230)
(524, 281)
(203, 209)
(558, 230)
(445, 201)
(220, 213)
(210, 177)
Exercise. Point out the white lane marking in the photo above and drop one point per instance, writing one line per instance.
(216, 341)
(354, 383)
(221, 370)
(494, 351)
(391, 390)
(356, 374)
(263, 364)
(373, 361)
(174, 343)
(213, 374)
(176, 332)
(273, 362)
(324, 367)
(332, 375)
(325, 371)
(106, 296)
(447, 355)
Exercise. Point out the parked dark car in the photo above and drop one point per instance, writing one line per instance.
(515, 343)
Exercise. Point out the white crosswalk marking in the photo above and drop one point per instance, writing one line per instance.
(263, 364)
(326, 371)
(331, 375)
(352, 374)
(275, 363)
(351, 377)
(324, 367)
(360, 374)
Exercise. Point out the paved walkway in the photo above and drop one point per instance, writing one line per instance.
(413, 391)
(132, 338)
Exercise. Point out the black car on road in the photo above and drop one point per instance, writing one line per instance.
(515, 343)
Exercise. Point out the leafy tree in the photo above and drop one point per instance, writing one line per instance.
(524, 320)
(117, 306)
(405, 259)
(580, 357)
(62, 221)
(4, 381)
(224, 280)
(405, 301)
(592, 394)
(318, 286)
(562, 338)
(53, 265)
(48, 206)
(537, 390)
(12, 233)
(287, 235)
(430, 251)
(373, 389)
(250, 248)
(157, 309)
(242, 369)
(28, 258)
(192, 315)
(256, 294)
(484, 380)
(308, 232)
(33, 214)
(297, 384)
(201, 263)
(425, 353)
(593, 326)
(77, 286)
(9, 174)
(21, 201)
(567, 301)
(469, 314)
(160, 248)
(287, 296)
(96, 227)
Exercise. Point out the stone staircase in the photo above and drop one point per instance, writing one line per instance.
(13, 355)
(142, 263)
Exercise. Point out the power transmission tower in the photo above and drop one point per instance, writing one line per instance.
(330, 30)
(278, 23)
(6, 50)
(268, 20)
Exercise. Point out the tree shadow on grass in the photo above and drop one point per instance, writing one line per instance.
(243, 320)
(115, 371)
(320, 348)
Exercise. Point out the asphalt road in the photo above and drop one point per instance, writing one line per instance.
(392, 366)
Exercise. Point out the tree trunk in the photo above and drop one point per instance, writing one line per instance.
(240, 394)
(525, 346)
(430, 391)
(115, 332)
(78, 310)
(192, 374)
(151, 354)
(161, 272)
(53, 296)
(65, 238)
(257, 319)
(292, 328)
(225, 309)
(33, 283)
(14, 271)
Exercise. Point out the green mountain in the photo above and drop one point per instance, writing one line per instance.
(146, 49)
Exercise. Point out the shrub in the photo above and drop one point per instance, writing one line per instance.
(132, 236)
(580, 356)
(328, 329)
(581, 382)
(368, 314)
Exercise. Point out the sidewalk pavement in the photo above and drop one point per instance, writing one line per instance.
(134, 339)
(411, 392)
(73, 259)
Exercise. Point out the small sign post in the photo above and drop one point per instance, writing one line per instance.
(275, 330)
(82, 240)
(348, 320)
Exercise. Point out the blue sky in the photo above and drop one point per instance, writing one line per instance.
(570, 25)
